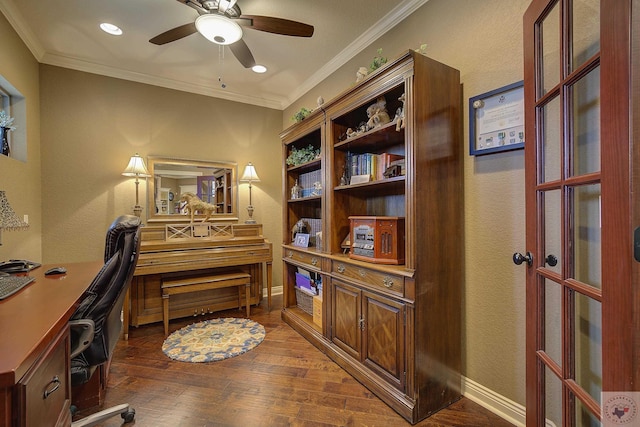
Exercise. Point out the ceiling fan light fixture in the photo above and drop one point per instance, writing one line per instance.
(218, 29)
(259, 69)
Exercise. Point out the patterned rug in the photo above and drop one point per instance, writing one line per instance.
(213, 340)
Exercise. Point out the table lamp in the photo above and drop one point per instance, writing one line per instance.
(8, 218)
(137, 168)
(250, 176)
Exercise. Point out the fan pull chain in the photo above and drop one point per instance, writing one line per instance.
(223, 85)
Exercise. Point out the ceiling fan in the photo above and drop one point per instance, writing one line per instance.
(221, 22)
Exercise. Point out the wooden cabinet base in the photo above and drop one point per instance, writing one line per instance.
(404, 405)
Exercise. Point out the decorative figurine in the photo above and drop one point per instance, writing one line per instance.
(361, 74)
(193, 204)
(400, 119)
(377, 114)
(296, 191)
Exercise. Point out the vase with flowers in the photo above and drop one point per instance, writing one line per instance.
(6, 126)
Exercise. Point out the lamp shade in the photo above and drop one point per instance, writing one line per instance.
(218, 29)
(250, 174)
(136, 167)
(8, 218)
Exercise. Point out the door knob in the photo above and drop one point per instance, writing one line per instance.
(551, 260)
(518, 258)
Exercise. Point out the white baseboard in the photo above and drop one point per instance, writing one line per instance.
(496, 403)
(275, 290)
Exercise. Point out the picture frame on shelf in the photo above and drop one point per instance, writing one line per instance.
(496, 120)
(301, 240)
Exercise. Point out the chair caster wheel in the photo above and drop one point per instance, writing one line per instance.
(129, 415)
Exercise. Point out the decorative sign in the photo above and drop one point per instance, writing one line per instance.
(496, 120)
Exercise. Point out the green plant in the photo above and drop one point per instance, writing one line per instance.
(378, 61)
(302, 155)
(301, 115)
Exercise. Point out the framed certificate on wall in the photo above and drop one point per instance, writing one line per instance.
(496, 120)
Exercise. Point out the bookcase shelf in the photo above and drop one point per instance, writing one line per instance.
(395, 328)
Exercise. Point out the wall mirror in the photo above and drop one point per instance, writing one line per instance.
(213, 182)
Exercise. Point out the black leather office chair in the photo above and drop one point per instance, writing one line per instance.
(97, 323)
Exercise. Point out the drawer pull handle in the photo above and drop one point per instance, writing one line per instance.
(56, 385)
(290, 254)
(341, 268)
(387, 282)
(314, 261)
(251, 253)
(362, 273)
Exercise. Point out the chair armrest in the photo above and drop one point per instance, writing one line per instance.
(82, 332)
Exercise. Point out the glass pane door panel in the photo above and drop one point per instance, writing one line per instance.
(552, 231)
(586, 124)
(553, 320)
(551, 142)
(586, 235)
(552, 397)
(584, 417)
(550, 61)
(586, 41)
(588, 345)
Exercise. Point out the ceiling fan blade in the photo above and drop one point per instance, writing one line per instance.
(276, 25)
(242, 53)
(175, 34)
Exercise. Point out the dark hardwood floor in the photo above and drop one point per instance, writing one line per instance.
(285, 381)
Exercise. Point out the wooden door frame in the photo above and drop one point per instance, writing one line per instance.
(620, 302)
(620, 171)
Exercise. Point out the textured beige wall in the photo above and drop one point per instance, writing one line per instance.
(21, 180)
(482, 39)
(92, 124)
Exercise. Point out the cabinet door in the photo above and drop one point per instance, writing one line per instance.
(346, 318)
(383, 337)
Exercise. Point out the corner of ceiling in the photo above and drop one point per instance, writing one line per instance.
(15, 18)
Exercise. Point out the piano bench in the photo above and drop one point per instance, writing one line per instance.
(204, 283)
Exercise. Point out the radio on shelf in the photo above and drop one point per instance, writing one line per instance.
(377, 239)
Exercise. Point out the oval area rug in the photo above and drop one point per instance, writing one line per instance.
(213, 340)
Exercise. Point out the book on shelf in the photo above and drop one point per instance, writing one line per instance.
(372, 164)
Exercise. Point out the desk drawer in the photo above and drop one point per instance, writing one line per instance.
(377, 280)
(310, 260)
(44, 391)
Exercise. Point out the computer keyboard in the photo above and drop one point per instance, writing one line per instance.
(9, 285)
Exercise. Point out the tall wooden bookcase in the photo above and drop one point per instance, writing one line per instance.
(395, 328)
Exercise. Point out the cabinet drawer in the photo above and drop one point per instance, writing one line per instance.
(312, 261)
(44, 392)
(377, 280)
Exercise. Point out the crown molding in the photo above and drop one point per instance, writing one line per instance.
(389, 21)
(15, 18)
(89, 67)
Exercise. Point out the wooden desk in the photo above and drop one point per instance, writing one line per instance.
(34, 346)
(244, 248)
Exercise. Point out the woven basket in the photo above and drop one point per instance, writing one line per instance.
(305, 301)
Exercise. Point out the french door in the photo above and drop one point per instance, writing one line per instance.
(582, 303)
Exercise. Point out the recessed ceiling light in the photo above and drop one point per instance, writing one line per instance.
(259, 69)
(110, 28)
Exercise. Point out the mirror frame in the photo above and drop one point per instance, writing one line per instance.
(153, 161)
